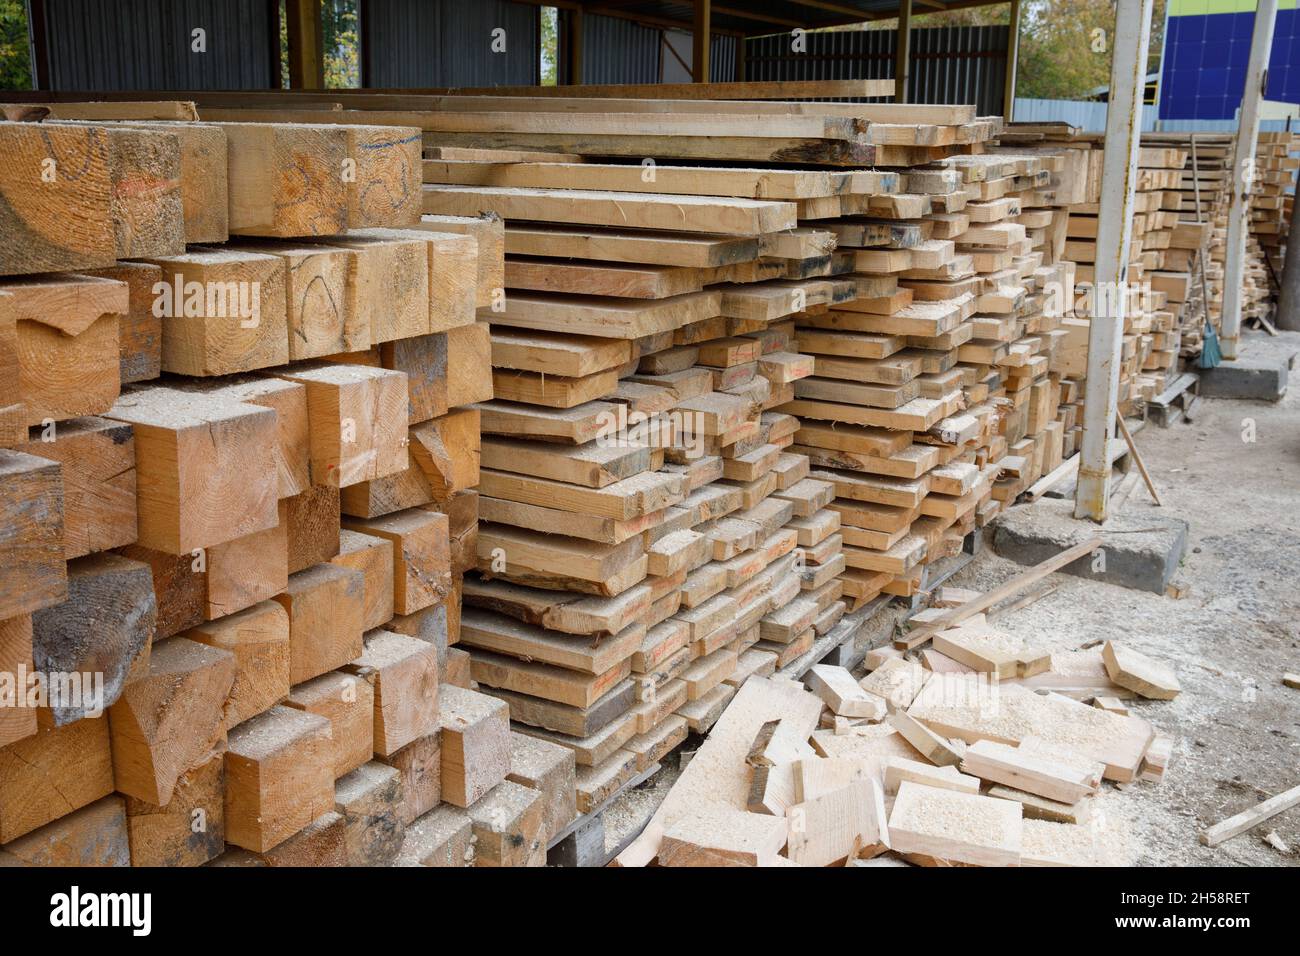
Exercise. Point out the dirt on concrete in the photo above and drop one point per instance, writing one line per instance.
(1234, 475)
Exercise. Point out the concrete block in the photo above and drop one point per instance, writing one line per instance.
(1260, 371)
(1142, 550)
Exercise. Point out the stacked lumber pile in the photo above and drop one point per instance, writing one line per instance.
(912, 307)
(943, 369)
(239, 493)
(647, 541)
(1273, 199)
(977, 750)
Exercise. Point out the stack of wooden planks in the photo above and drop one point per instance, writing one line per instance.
(1272, 199)
(241, 457)
(647, 541)
(976, 750)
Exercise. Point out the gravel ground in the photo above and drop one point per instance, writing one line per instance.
(1231, 635)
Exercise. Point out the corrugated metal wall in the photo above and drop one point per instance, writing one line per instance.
(949, 64)
(422, 43)
(146, 44)
(619, 51)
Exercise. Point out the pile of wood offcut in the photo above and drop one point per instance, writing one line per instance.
(976, 750)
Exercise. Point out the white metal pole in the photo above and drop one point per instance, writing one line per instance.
(1114, 229)
(1243, 170)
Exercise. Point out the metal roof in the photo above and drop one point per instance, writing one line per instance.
(761, 17)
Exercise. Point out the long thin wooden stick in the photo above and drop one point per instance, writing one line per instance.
(1243, 821)
(1137, 458)
(1021, 581)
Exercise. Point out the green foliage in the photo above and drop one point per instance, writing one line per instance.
(1062, 56)
(341, 44)
(15, 53)
(549, 44)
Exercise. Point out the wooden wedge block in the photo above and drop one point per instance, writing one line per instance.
(347, 701)
(139, 331)
(205, 469)
(98, 466)
(549, 769)
(357, 419)
(509, 827)
(1139, 673)
(405, 672)
(900, 769)
(420, 764)
(51, 774)
(258, 637)
(841, 693)
(368, 799)
(475, 744)
(223, 311)
(169, 717)
(421, 555)
(32, 568)
(279, 777)
(447, 451)
(104, 628)
(325, 605)
(191, 829)
(1056, 778)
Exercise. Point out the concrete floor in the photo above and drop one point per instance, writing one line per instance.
(1230, 637)
(1233, 634)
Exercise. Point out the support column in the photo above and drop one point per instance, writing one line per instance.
(1114, 230)
(573, 47)
(1012, 62)
(903, 51)
(306, 44)
(740, 59)
(701, 28)
(1243, 168)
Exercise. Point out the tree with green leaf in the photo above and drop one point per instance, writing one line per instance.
(15, 49)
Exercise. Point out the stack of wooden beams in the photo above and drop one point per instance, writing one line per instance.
(975, 750)
(1273, 198)
(240, 468)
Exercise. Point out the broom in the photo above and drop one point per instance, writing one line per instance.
(1210, 355)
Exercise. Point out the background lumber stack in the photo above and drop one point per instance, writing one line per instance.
(1273, 198)
(241, 491)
